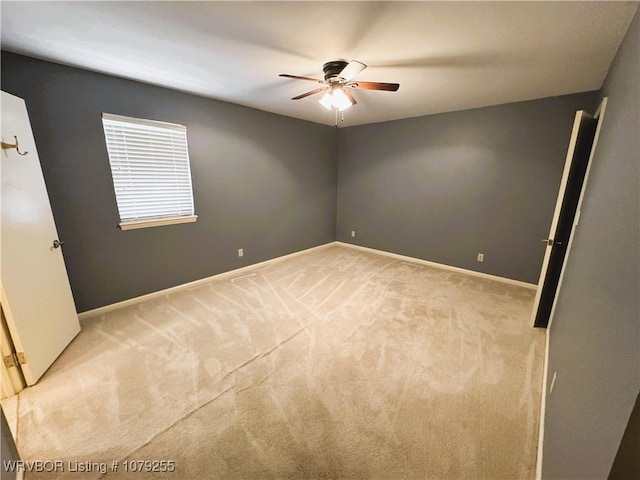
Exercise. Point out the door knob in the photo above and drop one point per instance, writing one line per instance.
(57, 243)
(551, 241)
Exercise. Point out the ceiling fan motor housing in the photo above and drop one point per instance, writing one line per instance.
(333, 69)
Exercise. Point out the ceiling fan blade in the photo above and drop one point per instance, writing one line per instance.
(352, 69)
(300, 78)
(389, 87)
(349, 96)
(312, 92)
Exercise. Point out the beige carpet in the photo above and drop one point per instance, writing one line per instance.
(337, 363)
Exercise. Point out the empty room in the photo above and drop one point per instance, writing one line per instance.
(320, 240)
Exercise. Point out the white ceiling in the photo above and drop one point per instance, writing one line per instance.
(445, 55)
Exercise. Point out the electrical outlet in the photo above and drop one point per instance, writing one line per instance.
(481, 257)
(353, 233)
(241, 252)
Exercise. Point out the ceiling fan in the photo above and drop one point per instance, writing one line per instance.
(338, 80)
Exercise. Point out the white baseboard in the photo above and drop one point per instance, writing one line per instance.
(442, 266)
(543, 406)
(231, 273)
(240, 271)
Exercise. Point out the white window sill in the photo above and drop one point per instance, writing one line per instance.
(157, 222)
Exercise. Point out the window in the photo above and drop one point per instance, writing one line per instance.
(150, 169)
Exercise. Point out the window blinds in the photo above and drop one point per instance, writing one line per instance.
(150, 168)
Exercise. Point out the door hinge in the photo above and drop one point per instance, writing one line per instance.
(14, 359)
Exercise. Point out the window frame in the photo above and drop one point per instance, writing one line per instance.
(118, 160)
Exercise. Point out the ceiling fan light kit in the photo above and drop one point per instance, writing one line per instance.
(336, 98)
(338, 79)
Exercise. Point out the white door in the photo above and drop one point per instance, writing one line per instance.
(36, 296)
(579, 155)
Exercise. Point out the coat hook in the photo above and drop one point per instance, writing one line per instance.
(7, 146)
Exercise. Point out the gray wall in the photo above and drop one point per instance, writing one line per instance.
(627, 462)
(8, 449)
(446, 187)
(262, 182)
(595, 334)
